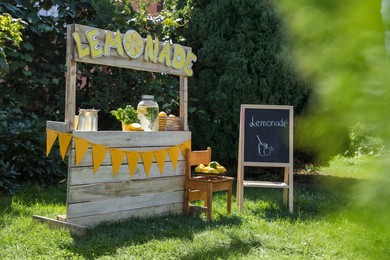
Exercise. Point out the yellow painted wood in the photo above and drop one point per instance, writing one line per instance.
(123, 61)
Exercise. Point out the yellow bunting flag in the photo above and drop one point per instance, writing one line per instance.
(51, 137)
(160, 158)
(184, 146)
(132, 161)
(98, 154)
(147, 158)
(174, 154)
(81, 146)
(116, 159)
(64, 140)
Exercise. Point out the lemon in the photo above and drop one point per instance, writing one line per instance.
(172, 115)
(213, 171)
(141, 110)
(136, 127)
(133, 44)
(162, 113)
(221, 169)
(199, 168)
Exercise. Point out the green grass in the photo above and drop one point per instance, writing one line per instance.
(320, 228)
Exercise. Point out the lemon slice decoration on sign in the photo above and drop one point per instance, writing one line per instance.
(133, 44)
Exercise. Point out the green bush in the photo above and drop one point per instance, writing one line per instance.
(243, 58)
(361, 142)
(22, 151)
(36, 79)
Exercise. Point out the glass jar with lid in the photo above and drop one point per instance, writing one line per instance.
(147, 111)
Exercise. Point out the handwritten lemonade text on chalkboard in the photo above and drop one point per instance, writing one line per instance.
(281, 123)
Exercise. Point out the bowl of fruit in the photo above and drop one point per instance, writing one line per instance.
(213, 169)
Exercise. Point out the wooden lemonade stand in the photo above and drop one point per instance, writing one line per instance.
(113, 175)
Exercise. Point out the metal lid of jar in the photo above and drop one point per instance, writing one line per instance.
(147, 97)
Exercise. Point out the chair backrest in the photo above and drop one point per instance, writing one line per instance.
(194, 158)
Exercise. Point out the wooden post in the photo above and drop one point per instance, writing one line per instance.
(184, 101)
(70, 94)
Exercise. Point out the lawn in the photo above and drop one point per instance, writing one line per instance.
(320, 228)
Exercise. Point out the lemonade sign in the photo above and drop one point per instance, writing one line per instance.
(96, 43)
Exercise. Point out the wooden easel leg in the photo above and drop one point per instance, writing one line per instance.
(240, 187)
(285, 191)
(290, 190)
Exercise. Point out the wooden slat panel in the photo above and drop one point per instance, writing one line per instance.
(122, 204)
(135, 139)
(101, 191)
(84, 175)
(57, 126)
(91, 221)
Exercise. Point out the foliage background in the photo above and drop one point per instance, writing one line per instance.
(346, 56)
(243, 57)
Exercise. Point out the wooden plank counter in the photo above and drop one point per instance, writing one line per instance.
(94, 198)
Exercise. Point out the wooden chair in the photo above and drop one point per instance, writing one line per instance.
(202, 187)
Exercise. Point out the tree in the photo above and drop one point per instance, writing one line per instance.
(243, 58)
(10, 38)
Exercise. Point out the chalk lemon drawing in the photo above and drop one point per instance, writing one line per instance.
(133, 43)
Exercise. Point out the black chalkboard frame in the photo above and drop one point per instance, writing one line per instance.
(265, 148)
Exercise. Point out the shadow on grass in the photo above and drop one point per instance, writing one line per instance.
(315, 196)
(106, 238)
(31, 195)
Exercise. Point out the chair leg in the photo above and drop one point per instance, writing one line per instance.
(209, 201)
(186, 203)
(229, 199)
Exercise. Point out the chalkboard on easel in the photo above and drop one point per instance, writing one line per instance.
(266, 133)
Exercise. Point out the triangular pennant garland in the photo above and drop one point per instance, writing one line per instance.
(132, 161)
(174, 154)
(116, 159)
(147, 158)
(160, 158)
(64, 140)
(51, 137)
(98, 154)
(184, 146)
(81, 146)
